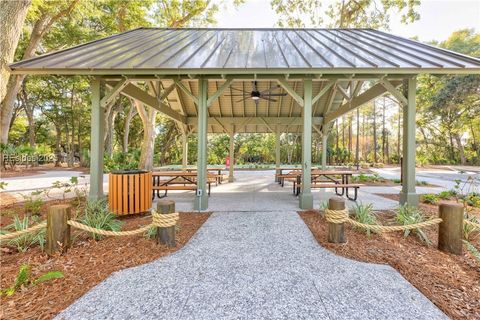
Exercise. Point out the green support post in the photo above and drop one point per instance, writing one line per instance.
(96, 142)
(232, 157)
(201, 198)
(306, 198)
(277, 153)
(408, 195)
(184, 151)
(324, 150)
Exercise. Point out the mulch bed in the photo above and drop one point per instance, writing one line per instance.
(451, 282)
(86, 264)
(21, 171)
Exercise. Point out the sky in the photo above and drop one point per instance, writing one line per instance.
(438, 18)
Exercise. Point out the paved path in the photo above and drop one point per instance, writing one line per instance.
(254, 265)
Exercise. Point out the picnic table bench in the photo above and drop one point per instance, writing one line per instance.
(322, 179)
(177, 180)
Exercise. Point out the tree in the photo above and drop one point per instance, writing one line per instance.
(344, 13)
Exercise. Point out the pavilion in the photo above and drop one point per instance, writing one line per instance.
(193, 75)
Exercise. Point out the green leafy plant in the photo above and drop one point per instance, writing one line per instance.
(23, 243)
(430, 198)
(23, 279)
(407, 215)
(72, 186)
(97, 215)
(396, 180)
(363, 213)
(323, 205)
(473, 251)
(33, 202)
(469, 230)
(445, 195)
(3, 185)
(421, 183)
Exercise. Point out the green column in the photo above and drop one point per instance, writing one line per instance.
(184, 151)
(324, 149)
(306, 198)
(96, 143)
(408, 194)
(277, 153)
(201, 199)
(232, 156)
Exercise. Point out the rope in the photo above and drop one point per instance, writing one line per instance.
(341, 216)
(158, 221)
(473, 224)
(23, 232)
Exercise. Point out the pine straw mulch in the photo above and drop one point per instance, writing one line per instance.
(87, 263)
(451, 282)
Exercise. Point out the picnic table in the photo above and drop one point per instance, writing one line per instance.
(337, 179)
(279, 172)
(217, 170)
(176, 180)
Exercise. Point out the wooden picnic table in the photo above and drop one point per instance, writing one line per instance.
(279, 172)
(218, 170)
(176, 180)
(337, 179)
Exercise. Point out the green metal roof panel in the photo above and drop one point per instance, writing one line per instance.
(183, 50)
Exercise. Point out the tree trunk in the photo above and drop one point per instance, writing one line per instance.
(357, 141)
(461, 149)
(132, 111)
(375, 144)
(149, 120)
(384, 133)
(12, 17)
(399, 137)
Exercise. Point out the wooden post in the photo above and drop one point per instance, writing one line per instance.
(58, 231)
(336, 231)
(450, 230)
(166, 235)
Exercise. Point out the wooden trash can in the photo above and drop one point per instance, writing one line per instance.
(130, 192)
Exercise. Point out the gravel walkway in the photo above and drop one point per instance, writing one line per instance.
(254, 265)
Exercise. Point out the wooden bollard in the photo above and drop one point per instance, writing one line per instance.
(450, 230)
(58, 231)
(166, 235)
(336, 231)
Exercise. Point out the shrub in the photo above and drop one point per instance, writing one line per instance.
(407, 215)
(323, 206)
(24, 279)
(473, 251)
(473, 199)
(445, 195)
(33, 202)
(421, 183)
(430, 198)
(23, 243)
(364, 214)
(97, 215)
(378, 165)
(396, 180)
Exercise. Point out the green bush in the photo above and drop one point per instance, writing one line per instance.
(23, 243)
(473, 251)
(364, 214)
(430, 198)
(468, 229)
(421, 183)
(24, 279)
(396, 180)
(97, 215)
(407, 215)
(473, 199)
(445, 195)
(33, 202)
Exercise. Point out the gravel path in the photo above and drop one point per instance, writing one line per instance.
(254, 265)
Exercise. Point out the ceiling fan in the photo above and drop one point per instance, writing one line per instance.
(256, 95)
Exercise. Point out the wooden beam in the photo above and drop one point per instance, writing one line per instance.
(242, 121)
(324, 90)
(219, 92)
(375, 91)
(267, 125)
(187, 92)
(290, 91)
(393, 90)
(113, 93)
(134, 92)
(344, 93)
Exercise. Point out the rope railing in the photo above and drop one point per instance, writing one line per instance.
(20, 233)
(158, 221)
(342, 216)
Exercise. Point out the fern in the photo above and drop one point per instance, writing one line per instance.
(48, 276)
(23, 279)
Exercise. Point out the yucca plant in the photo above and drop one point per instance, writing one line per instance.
(468, 229)
(97, 215)
(473, 251)
(23, 243)
(23, 279)
(407, 215)
(363, 213)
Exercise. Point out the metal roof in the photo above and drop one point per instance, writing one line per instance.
(237, 51)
